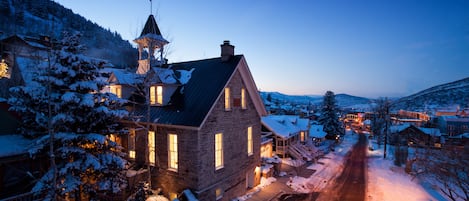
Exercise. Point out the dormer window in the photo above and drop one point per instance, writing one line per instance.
(156, 95)
(227, 99)
(117, 90)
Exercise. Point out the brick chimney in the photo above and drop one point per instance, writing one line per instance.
(227, 51)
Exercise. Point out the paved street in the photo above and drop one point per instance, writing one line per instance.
(351, 184)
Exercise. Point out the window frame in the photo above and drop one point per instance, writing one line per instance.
(227, 94)
(156, 95)
(151, 148)
(243, 99)
(218, 151)
(250, 143)
(116, 90)
(173, 161)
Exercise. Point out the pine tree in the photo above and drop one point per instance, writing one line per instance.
(329, 116)
(81, 117)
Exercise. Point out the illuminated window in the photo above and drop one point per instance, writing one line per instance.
(156, 95)
(173, 195)
(243, 98)
(250, 144)
(173, 151)
(218, 151)
(117, 90)
(131, 147)
(227, 99)
(302, 136)
(218, 193)
(151, 147)
(4, 69)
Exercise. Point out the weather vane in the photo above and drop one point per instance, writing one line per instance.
(151, 7)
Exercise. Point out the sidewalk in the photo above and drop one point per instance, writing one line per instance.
(279, 187)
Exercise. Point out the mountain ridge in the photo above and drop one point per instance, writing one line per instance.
(443, 95)
(34, 18)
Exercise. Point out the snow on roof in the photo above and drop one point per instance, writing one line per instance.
(398, 128)
(460, 136)
(124, 77)
(431, 131)
(285, 125)
(165, 75)
(154, 37)
(29, 68)
(13, 145)
(367, 122)
(185, 75)
(317, 131)
(459, 120)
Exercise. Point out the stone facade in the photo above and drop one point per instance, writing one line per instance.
(196, 151)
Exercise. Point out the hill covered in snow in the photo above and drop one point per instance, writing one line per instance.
(35, 18)
(343, 100)
(444, 95)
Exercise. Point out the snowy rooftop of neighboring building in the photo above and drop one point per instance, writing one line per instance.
(123, 77)
(285, 125)
(458, 120)
(398, 128)
(13, 145)
(430, 131)
(317, 131)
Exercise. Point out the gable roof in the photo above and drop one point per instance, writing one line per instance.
(121, 76)
(191, 103)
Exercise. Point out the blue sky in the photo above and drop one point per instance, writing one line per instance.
(372, 48)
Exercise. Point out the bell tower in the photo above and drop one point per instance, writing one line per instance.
(150, 46)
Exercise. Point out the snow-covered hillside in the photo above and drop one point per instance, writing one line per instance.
(343, 100)
(449, 94)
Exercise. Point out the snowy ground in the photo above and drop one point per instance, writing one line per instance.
(326, 167)
(388, 182)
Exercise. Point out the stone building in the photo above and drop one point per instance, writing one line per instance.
(195, 124)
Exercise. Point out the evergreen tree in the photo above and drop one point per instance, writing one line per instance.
(329, 116)
(80, 117)
(269, 97)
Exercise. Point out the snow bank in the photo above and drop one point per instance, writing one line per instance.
(387, 182)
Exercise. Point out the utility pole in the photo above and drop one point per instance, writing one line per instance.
(386, 128)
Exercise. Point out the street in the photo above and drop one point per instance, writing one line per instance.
(351, 184)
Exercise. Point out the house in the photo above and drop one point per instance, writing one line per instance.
(20, 54)
(287, 130)
(197, 124)
(317, 134)
(18, 172)
(408, 134)
(453, 125)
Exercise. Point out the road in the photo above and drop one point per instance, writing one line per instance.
(351, 184)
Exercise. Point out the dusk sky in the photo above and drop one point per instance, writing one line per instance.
(370, 48)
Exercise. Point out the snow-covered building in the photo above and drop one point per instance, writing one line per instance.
(203, 120)
(287, 130)
(316, 133)
(20, 54)
(408, 134)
